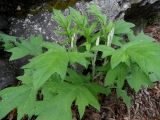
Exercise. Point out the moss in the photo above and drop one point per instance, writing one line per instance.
(57, 4)
(60, 4)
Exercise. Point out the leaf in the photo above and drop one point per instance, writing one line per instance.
(136, 51)
(141, 37)
(78, 78)
(89, 33)
(7, 40)
(74, 77)
(27, 47)
(116, 75)
(18, 52)
(119, 56)
(54, 61)
(146, 54)
(97, 89)
(108, 27)
(137, 79)
(63, 21)
(46, 65)
(96, 11)
(28, 107)
(126, 98)
(107, 51)
(117, 41)
(27, 77)
(77, 57)
(122, 26)
(63, 102)
(52, 46)
(52, 109)
(78, 18)
(121, 76)
(84, 98)
(154, 77)
(21, 97)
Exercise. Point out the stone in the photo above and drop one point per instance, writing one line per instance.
(142, 1)
(7, 75)
(3, 23)
(42, 23)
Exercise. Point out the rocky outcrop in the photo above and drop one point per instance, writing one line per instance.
(42, 22)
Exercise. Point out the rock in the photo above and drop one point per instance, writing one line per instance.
(42, 23)
(18, 7)
(142, 1)
(3, 23)
(9, 70)
(142, 16)
(152, 1)
(7, 75)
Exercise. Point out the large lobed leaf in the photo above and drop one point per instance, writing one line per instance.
(123, 94)
(122, 26)
(7, 40)
(138, 78)
(33, 46)
(116, 76)
(62, 102)
(59, 97)
(23, 98)
(55, 60)
(47, 64)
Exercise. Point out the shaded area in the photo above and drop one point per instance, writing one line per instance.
(143, 16)
(20, 8)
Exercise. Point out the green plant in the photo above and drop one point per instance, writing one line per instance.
(52, 71)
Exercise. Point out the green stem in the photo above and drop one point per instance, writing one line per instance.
(94, 60)
(109, 42)
(94, 65)
(110, 37)
(72, 41)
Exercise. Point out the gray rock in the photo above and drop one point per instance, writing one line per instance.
(143, 1)
(7, 75)
(42, 23)
(152, 1)
(3, 23)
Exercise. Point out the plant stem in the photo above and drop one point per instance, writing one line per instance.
(109, 42)
(110, 37)
(94, 60)
(94, 65)
(72, 41)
